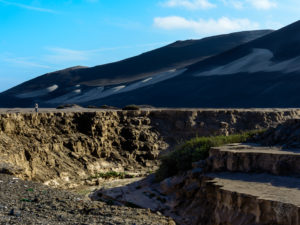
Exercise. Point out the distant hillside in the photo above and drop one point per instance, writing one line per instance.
(116, 83)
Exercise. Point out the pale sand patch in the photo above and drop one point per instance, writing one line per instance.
(260, 60)
(38, 93)
(100, 92)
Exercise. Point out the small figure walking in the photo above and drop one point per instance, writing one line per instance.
(36, 107)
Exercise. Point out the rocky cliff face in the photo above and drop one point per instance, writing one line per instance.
(65, 148)
(60, 148)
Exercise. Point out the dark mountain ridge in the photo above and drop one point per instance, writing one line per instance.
(160, 66)
(262, 73)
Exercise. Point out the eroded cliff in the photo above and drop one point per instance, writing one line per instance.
(65, 148)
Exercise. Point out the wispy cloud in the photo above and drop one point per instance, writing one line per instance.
(273, 24)
(63, 55)
(263, 4)
(128, 46)
(28, 7)
(21, 61)
(189, 4)
(204, 27)
(234, 3)
(59, 55)
(257, 4)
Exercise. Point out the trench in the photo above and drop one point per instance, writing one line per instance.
(75, 150)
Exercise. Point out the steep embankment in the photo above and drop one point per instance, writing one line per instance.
(66, 148)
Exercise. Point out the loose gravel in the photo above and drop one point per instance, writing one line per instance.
(25, 202)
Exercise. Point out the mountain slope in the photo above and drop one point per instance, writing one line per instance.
(278, 47)
(262, 73)
(84, 85)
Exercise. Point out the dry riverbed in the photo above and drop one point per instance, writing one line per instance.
(25, 202)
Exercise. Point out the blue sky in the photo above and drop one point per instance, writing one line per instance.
(39, 36)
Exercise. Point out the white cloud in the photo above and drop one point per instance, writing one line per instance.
(263, 4)
(205, 27)
(189, 4)
(28, 7)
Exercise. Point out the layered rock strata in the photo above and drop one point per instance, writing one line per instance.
(235, 198)
(252, 158)
(233, 186)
